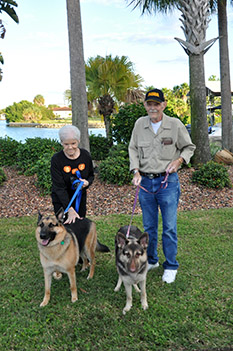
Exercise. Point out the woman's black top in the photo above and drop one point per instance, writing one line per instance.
(63, 174)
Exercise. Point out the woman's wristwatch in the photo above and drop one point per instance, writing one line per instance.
(135, 171)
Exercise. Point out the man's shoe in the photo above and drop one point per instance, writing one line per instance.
(169, 276)
(152, 266)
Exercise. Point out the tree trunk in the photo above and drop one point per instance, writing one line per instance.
(199, 125)
(77, 72)
(227, 130)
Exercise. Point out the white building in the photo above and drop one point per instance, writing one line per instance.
(62, 112)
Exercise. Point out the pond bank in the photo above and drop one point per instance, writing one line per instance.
(50, 125)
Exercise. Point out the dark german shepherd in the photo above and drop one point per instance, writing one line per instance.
(131, 263)
(61, 246)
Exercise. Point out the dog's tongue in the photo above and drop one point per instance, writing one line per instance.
(45, 242)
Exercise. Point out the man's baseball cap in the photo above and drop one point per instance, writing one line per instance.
(154, 95)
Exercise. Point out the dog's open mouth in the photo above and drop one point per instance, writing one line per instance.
(45, 242)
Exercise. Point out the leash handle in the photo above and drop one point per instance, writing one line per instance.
(74, 196)
(78, 174)
(134, 206)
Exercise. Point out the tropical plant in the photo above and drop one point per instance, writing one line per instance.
(6, 6)
(77, 71)
(14, 113)
(109, 81)
(39, 100)
(177, 101)
(26, 111)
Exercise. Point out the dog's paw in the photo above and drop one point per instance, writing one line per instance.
(145, 306)
(43, 303)
(74, 299)
(126, 309)
(117, 288)
(136, 288)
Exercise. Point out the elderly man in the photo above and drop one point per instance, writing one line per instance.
(159, 145)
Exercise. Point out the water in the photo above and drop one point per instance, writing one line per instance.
(22, 133)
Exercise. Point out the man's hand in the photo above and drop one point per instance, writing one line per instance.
(137, 179)
(174, 165)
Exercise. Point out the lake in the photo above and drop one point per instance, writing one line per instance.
(22, 133)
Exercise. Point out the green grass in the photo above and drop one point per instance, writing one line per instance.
(194, 313)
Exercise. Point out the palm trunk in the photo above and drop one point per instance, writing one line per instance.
(199, 124)
(77, 72)
(227, 130)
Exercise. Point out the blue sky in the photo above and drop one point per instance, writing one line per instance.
(36, 51)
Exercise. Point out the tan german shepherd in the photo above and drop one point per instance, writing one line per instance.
(61, 246)
(131, 263)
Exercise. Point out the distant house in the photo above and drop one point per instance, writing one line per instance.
(213, 88)
(62, 112)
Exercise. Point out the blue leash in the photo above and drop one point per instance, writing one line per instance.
(77, 193)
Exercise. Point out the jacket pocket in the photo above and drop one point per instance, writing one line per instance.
(144, 150)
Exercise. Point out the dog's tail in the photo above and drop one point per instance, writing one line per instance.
(101, 247)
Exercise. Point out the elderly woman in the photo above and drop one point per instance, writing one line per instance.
(64, 165)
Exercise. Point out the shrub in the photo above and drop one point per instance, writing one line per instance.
(42, 170)
(99, 147)
(2, 176)
(8, 151)
(123, 122)
(212, 175)
(31, 151)
(115, 168)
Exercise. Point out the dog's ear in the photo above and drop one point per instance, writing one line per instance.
(120, 240)
(60, 214)
(39, 217)
(144, 240)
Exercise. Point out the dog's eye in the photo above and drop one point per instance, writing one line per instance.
(137, 254)
(126, 253)
(51, 225)
(41, 225)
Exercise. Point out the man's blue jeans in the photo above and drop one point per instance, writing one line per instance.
(167, 199)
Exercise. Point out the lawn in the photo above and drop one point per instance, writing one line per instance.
(194, 313)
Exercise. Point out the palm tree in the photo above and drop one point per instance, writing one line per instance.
(39, 100)
(6, 6)
(226, 103)
(77, 71)
(108, 82)
(195, 19)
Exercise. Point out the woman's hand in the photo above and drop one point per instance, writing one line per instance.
(72, 215)
(85, 182)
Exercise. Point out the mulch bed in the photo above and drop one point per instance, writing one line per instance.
(20, 197)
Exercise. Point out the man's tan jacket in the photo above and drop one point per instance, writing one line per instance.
(152, 153)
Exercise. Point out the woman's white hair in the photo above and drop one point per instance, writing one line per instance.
(69, 132)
